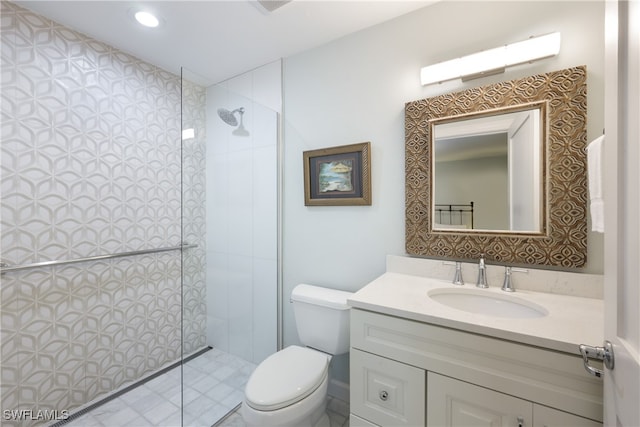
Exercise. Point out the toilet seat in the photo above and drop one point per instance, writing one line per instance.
(286, 377)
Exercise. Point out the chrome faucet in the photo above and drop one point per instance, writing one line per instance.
(507, 285)
(482, 274)
(457, 279)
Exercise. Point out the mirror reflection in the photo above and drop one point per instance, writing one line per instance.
(488, 171)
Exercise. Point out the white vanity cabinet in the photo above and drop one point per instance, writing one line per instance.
(390, 393)
(544, 416)
(410, 373)
(452, 402)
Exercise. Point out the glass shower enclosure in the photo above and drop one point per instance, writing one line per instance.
(230, 152)
(139, 279)
(90, 210)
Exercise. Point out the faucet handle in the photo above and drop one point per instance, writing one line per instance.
(482, 274)
(507, 285)
(457, 279)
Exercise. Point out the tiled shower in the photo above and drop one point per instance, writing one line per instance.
(93, 162)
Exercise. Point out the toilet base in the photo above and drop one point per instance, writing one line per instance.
(309, 412)
(319, 418)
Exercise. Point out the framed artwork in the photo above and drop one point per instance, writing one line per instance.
(338, 176)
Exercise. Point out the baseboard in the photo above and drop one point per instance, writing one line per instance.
(339, 390)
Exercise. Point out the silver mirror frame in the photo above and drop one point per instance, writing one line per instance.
(563, 241)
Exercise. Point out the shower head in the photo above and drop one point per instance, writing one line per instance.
(229, 118)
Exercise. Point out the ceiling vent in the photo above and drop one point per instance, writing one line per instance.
(271, 5)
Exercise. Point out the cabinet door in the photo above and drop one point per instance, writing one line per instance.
(386, 392)
(544, 416)
(456, 403)
(355, 421)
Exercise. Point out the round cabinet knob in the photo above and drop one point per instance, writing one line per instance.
(384, 395)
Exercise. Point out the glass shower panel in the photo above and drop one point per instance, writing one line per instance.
(230, 211)
(193, 117)
(90, 186)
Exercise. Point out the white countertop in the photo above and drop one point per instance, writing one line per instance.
(570, 321)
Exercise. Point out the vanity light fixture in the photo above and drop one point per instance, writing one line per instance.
(147, 19)
(492, 61)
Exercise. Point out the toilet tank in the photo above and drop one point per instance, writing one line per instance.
(322, 318)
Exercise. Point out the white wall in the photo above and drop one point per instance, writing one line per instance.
(484, 181)
(354, 90)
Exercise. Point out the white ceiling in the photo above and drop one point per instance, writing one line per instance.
(218, 39)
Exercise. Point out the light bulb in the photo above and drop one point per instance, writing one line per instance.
(147, 19)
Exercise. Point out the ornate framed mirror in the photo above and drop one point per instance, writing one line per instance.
(500, 170)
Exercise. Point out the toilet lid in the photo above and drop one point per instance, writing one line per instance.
(285, 378)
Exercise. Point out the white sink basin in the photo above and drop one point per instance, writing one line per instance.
(481, 301)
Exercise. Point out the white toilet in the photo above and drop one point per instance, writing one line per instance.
(289, 388)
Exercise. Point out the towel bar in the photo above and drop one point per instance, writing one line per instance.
(5, 268)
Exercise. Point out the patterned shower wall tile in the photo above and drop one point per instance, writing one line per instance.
(50, 170)
(58, 353)
(91, 163)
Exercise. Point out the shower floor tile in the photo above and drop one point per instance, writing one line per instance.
(213, 386)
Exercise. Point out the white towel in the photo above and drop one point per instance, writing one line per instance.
(595, 153)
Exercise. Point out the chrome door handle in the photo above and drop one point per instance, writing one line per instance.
(597, 353)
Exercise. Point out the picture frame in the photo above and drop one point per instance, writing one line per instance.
(338, 176)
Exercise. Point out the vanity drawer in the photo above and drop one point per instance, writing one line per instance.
(386, 392)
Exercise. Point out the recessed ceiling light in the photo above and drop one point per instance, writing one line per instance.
(147, 19)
